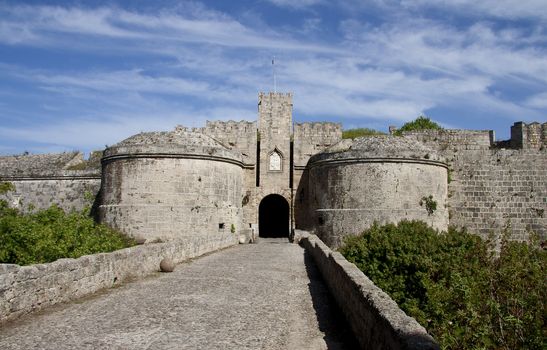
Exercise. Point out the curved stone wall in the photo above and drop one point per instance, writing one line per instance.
(167, 190)
(350, 190)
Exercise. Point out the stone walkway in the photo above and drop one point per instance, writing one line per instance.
(259, 296)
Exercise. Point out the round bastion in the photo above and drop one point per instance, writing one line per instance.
(383, 179)
(164, 185)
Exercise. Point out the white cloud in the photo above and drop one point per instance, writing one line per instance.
(537, 101)
(43, 25)
(296, 4)
(497, 8)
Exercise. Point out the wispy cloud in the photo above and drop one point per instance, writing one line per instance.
(182, 65)
(42, 25)
(496, 8)
(296, 4)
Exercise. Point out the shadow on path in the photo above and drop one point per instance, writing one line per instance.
(338, 334)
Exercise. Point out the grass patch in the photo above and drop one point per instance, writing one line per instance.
(359, 132)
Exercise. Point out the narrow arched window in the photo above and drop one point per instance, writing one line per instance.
(275, 161)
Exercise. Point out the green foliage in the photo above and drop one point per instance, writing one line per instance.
(51, 234)
(6, 187)
(430, 204)
(78, 166)
(420, 123)
(454, 285)
(233, 228)
(354, 133)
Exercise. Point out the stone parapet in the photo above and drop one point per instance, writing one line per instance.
(375, 319)
(25, 289)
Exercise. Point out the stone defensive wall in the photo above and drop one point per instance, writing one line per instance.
(312, 138)
(163, 185)
(239, 135)
(24, 289)
(453, 139)
(375, 319)
(46, 179)
(495, 185)
(493, 190)
(375, 179)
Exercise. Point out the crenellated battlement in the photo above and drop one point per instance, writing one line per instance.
(318, 128)
(230, 126)
(529, 136)
(275, 95)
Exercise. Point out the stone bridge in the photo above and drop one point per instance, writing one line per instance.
(270, 295)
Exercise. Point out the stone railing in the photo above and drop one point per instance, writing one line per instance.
(24, 289)
(376, 320)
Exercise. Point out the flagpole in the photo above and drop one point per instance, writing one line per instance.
(273, 72)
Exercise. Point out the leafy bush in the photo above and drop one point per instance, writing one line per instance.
(6, 187)
(420, 123)
(430, 204)
(354, 133)
(50, 234)
(452, 283)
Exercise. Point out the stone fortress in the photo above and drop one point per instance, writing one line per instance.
(271, 177)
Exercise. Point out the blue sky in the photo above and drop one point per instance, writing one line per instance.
(85, 74)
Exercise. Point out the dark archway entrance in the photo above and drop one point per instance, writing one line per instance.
(273, 216)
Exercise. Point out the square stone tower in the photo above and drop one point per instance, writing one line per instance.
(275, 130)
(272, 194)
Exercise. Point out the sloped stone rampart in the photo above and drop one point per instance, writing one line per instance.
(24, 289)
(376, 320)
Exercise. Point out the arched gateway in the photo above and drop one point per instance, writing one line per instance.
(273, 216)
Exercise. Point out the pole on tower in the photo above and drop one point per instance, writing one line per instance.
(273, 73)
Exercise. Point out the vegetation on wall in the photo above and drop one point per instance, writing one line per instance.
(359, 132)
(51, 234)
(455, 286)
(6, 187)
(429, 203)
(420, 123)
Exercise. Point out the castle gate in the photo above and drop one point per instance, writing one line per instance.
(273, 216)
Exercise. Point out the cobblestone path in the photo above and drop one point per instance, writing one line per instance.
(260, 296)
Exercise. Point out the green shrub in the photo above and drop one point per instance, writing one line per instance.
(50, 234)
(429, 203)
(454, 285)
(420, 123)
(6, 187)
(354, 133)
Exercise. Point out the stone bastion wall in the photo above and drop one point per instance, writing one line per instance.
(167, 185)
(377, 179)
(25, 289)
